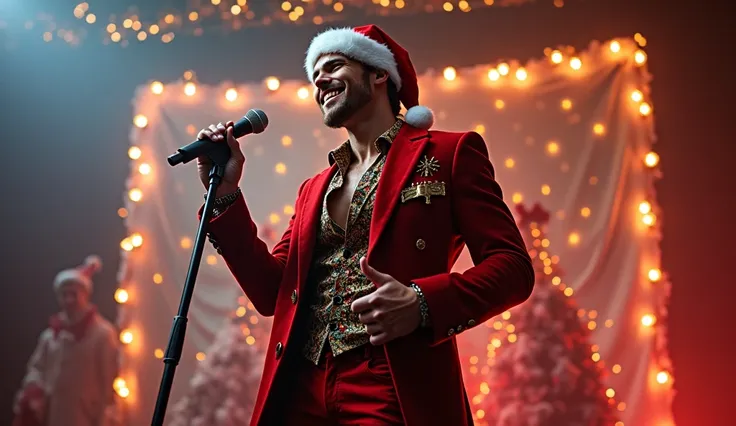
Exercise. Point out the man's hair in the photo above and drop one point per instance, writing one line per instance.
(393, 94)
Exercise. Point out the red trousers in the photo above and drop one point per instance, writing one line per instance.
(354, 388)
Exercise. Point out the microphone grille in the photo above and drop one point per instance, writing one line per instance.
(258, 120)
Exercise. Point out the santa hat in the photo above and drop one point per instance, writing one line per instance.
(370, 45)
(82, 274)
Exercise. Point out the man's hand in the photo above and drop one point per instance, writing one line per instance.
(222, 133)
(391, 311)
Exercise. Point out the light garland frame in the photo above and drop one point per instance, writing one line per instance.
(505, 72)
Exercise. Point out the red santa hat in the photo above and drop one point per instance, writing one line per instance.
(370, 45)
(82, 274)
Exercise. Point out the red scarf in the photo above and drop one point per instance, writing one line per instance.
(78, 329)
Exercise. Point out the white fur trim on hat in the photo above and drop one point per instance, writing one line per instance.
(354, 45)
(419, 116)
(81, 274)
(72, 275)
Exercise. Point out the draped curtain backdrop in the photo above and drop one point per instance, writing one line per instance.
(571, 131)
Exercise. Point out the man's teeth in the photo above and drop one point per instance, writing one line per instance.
(329, 95)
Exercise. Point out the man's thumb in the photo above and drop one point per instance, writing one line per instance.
(372, 274)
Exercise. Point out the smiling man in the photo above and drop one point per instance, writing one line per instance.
(366, 308)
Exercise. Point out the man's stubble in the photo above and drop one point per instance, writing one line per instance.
(359, 96)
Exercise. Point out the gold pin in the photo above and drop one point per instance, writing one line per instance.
(423, 189)
(428, 166)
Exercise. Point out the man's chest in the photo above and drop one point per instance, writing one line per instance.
(339, 198)
(349, 193)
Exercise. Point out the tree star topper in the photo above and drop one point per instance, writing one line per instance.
(428, 166)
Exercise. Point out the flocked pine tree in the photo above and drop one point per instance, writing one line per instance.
(224, 386)
(223, 389)
(546, 375)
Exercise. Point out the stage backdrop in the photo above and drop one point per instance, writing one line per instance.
(572, 130)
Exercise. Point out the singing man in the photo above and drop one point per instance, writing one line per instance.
(366, 310)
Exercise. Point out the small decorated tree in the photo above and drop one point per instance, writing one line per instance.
(546, 375)
(223, 389)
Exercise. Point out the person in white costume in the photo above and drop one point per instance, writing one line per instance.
(70, 374)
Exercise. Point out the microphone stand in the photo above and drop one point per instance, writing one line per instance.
(220, 154)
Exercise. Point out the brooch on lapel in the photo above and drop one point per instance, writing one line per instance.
(423, 189)
(428, 166)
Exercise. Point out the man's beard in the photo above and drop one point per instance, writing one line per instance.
(353, 100)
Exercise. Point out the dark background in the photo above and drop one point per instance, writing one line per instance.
(66, 114)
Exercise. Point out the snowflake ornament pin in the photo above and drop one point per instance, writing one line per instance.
(428, 166)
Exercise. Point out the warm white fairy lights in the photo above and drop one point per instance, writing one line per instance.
(507, 72)
(133, 27)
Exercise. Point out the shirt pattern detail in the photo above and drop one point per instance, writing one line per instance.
(335, 279)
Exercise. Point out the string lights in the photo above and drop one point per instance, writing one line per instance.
(140, 121)
(197, 17)
(121, 387)
(563, 60)
(121, 295)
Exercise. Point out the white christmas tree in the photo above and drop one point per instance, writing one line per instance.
(546, 375)
(224, 387)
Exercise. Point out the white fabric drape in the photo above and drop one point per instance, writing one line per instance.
(577, 131)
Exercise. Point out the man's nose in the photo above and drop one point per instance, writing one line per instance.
(322, 81)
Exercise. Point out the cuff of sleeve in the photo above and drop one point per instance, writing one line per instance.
(445, 306)
(235, 220)
(222, 203)
(437, 296)
(32, 379)
(222, 206)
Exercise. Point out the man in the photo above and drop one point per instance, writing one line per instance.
(71, 372)
(366, 309)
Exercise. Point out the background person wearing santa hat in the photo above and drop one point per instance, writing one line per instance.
(366, 309)
(70, 374)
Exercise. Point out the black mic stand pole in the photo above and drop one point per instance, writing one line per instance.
(219, 156)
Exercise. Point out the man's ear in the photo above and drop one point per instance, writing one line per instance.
(381, 76)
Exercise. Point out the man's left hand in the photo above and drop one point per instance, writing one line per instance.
(391, 311)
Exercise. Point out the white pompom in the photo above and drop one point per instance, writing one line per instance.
(92, 264)
(419, 116)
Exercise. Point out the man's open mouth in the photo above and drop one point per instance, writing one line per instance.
(330, 94)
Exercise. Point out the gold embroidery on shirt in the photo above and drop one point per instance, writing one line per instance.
(335, 279)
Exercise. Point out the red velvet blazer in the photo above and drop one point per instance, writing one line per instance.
(410, 239)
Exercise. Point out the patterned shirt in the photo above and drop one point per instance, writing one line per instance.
(335, 279)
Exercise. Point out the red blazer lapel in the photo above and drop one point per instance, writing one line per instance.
(309, 220)
(400, 165)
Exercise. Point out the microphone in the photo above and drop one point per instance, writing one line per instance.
(254, 121)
